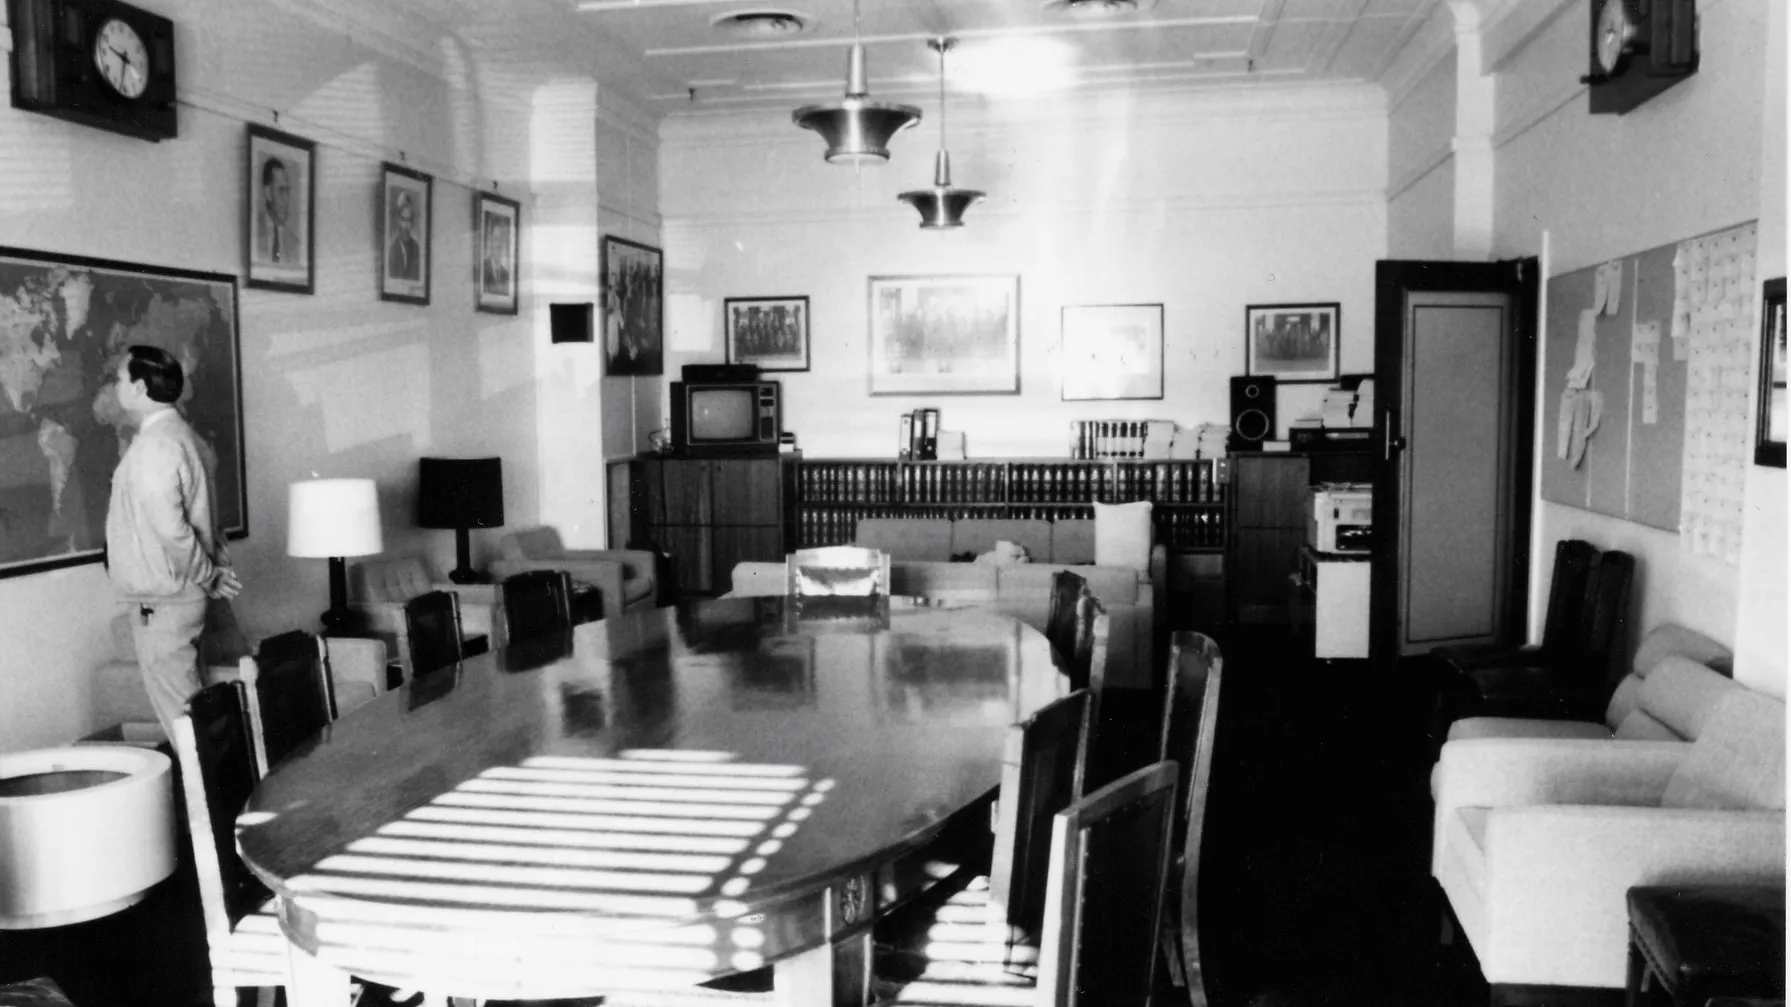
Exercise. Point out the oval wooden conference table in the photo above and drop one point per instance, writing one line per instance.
(646, 802)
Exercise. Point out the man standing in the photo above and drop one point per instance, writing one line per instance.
(164, 554)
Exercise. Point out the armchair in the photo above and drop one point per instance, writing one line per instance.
(379, 587)
(1537, 841)
(624, 577)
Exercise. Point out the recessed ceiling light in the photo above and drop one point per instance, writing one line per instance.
(1097, 8)
(762, 23)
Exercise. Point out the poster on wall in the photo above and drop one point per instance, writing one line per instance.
(945, 335)
(67, 321)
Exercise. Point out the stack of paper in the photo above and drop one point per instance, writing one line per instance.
(1336, 408)
(1211, 440)
(1363, 416)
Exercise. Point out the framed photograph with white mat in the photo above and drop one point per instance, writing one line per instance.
(945, 335)
(1112, 351)
(1292, 342)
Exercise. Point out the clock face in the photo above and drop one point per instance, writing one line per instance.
(122, 58)
(1615, 29)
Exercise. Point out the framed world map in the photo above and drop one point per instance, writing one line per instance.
(64, 322)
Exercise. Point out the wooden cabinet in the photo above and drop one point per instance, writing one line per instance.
(1268, 527)
(704, 514)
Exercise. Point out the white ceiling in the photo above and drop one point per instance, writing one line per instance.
(669, 57)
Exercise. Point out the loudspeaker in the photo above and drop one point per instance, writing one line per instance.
(1252, 412)
(570, 323)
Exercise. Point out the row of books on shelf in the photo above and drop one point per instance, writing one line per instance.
(1121, 438)
(1197, 482)
(1194, 529)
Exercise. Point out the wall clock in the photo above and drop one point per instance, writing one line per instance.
(100, 63)
(1639, 48)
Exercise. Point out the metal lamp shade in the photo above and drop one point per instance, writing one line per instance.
(460, 493)
(857, 129)
(333, 517)
(941, 207)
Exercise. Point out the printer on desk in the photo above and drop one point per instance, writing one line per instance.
(1340, 517)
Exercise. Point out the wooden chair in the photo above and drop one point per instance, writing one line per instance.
(838, 570)
(1041, 774)
(1067, 589)
(292, 695)
(433, 631)
(1190, 728)
(1561, 624)
(537, 602)
(218, 770)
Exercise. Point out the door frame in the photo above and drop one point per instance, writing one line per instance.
(1393, 279)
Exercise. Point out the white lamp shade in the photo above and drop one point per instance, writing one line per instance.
(333, 517)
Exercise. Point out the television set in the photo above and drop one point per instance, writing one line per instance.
(726, 417)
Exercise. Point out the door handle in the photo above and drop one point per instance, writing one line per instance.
(1391, 440)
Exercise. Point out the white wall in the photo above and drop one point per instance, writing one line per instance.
(334, 384)
(1203, 204)
(1421, 166)
(1685, 163)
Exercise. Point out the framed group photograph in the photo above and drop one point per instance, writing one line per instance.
(769, 332)
(1292, 342)
(1112, 351)
(497, 252)
(633, 308)
(405, 215)
(945, 335)
(280, 213)
(1771, 423)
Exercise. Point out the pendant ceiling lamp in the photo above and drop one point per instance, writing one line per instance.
(857, 129)
(941, 206)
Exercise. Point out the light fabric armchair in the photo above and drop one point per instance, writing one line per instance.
(624, 577)
(1537, 840)
(379, 586)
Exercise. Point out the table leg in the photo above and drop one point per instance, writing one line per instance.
(837, 974)
(314, 983)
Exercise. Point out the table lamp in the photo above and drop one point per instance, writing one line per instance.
(461, 493)
(333, 519)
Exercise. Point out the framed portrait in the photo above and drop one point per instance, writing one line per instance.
(1769, 431)
(497, 252)
(280, 216)
(768, 332)
(62, 448)
(1112, 351)
(633, 308)
(405, 215)
(945, 335)
(1292, 342)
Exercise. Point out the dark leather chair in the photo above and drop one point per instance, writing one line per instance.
(433, 631)
(293, 694)
(1067, 589)
(1042, 773)
(1699, 942)
(1561, 623)
(537, 602)
(1190, 729)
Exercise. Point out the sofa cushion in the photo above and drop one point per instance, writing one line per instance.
(1638, 726)
(1072, 542)
(950, 581)
(1122, 535)
(1625, 700)
(979, 535)
(1469, 728)
(1683, 694)
(1113, 586)
(390, 578)
(1739, 760)
(532, 543)
(906, 538)
(1668, 639)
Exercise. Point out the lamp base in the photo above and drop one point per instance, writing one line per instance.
(464, 575)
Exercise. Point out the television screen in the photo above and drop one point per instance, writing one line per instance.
(722, 414)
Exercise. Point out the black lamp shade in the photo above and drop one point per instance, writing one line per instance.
(460, 493)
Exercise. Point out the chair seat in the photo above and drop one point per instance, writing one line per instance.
(257, 952)
(1707, 941)
(33, 993)
(637, 589)
(954, 953)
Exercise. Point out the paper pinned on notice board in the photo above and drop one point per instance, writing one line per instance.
(1644, 349)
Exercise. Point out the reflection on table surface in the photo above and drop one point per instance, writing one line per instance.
(639, 780)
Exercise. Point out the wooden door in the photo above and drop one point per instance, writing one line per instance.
(1455, 355)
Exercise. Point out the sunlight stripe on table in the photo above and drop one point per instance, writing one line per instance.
(492, 895)
(556, 856)
(631, 773)
(695, 755)
(577, 838)
(490, 808)
(645, 791)
(503, 874)
(678, 809)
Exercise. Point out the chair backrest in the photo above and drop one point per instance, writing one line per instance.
(838, 570)
(1041, 774)
(1088, 663)
(432, 630)
(1109, 864)
(1566, 596)
(1190, 728)
(292, 694)
(532, 543)
(218, 772)
(1060, 619)
(537, 602)
(1604, 621)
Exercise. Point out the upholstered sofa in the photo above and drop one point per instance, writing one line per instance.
(1537, 840)
(624, 577)
(378, 588)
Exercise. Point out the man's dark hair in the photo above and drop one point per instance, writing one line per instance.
(268, 167)
(159, 372)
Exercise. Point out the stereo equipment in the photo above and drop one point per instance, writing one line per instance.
(1252, 412)
(570, 323)
(714, 373)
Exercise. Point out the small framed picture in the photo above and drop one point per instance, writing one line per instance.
(405, 207)
(497, 244)
(1292, 342)
(1113, 351)
(633, 308)
(281, 211)
(945, 335)
(1771, 424)
(768, 332)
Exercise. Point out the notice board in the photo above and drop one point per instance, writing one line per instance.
(1630, 464)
